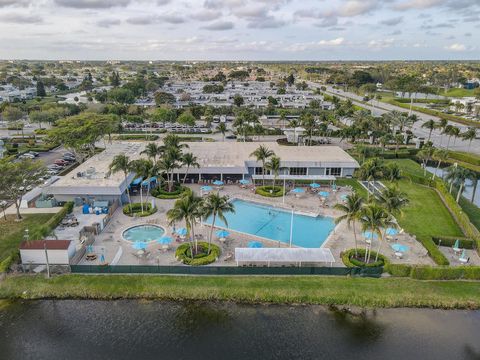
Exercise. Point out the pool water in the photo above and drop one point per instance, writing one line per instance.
(271, 223)
(143, 233)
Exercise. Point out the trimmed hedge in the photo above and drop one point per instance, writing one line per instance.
(54, 221)
(146, 137)
(136, 209)
(178, 192)
(468, 158)
(269, 191)
(398, 270)
(436, 255)
(183, 254)
(349, 261)
(449, 241)
(446, 273)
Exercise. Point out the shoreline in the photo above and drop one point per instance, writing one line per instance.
(338, 291)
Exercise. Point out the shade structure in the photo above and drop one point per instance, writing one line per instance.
(244, 182)
(298, 191)
(165, 240)
(370, 235)
(222, 233)
(314, 185)
(284, 255)
(464, 254)
(137, 181)
(218, 183)
(323, 193)
(391, 231)
(255, 245)
(139, 245)
(400, 247)
(206, 188)
(182, 231)
(344, 197)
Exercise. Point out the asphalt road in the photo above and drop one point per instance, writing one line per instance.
(437, 138)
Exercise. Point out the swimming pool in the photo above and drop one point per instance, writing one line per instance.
(274, 224)
(143, 233)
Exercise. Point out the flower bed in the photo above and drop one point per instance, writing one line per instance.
(348, 258)
(269, 191)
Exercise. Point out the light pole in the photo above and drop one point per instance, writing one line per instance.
(291, 228)
(284, 183)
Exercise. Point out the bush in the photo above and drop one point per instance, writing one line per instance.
(136, 137)
(398, 270)
(202, 258)
(436, 255)
(349, 260)
(269, 191)
(449, 241)
(468, 158)
(51, 224)
(446, 273)
(8, 261)
(136, 209)
(177, 192)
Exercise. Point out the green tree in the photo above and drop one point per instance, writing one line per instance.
(238, 100)
(186, 118)
(152, 151)
(469, 135)
(121, 96)
(41, 89)
(222, 127)
(393, 200)
(17, 178)
(162, 98)
(441, 156)
(216, 206)
(430, 125)
(262, 153)
(115, 79)
(375, 218)
(122, 163)
(352, 209)
(189, 160)
(273, 165)
(425, 155)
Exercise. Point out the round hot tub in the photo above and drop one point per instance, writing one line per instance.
(143, 233)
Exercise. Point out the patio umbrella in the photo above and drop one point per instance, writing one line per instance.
(314, 185)
(457, 244)
(244, 182)
(400, 247)
(164, 240)
(182, 231)
(391, 231)
(298, 191)
(218, 183)
(370, 235)
(255, 244)
(139, 245)
(102, 258)
(206, 188)
(464, 254)
(344, 197)
(323, 193)
(222, 233)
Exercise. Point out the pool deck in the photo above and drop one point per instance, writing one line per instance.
(112, 245)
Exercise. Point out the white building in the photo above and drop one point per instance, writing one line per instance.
(59, 252)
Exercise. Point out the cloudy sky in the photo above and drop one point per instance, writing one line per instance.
(240, 29)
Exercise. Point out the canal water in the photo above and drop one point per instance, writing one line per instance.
(76, 329)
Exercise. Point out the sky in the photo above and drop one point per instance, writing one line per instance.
(240, 29)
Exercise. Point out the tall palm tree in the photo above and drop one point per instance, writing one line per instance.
(455, 133)
(309, 124)
(442, 124)
(222, 127)
(121, 163)
(469, 135)
(168, 164)
(353, 211)
(475, 177)
(146, 169)
(425, 155)
(371, 170)
(189, 209)
(450, 131)
(189, 160)
(216, 205)
(374, 218)
(457, 175)
(392, 172)
(173, 141)
(393, 200)
(430, 125)
(262, 153)
(152, 151)
(441, 156)
(274, 166)
(294, 124)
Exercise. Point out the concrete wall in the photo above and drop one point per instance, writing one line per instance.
(316, 171)
(348, 172)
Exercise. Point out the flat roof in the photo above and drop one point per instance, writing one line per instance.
(284, 255)
(40, 244)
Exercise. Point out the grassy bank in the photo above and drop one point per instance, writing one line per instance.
(364, 292)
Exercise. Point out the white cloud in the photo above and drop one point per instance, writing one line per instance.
(456, 47)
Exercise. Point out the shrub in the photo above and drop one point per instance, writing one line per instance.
(446, 273)
(8, 261)
(436, 255)
(349, 260)
(202, 258)
(269, 191)
(398, 270)
(177, 192)
(449, 241)
(136, 209)
(53, 222)
(465, 157)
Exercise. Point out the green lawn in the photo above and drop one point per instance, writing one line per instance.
(326, 290)
(408, 166)
(354, 184)
(11, 231)
(458, 92)
(472, 211)
(426, 215)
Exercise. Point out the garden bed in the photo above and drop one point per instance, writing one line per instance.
(201, 257)
(177, 192)
(349, 259)
(269, 191)
(135, 209)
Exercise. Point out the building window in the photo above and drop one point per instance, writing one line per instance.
(298, 171)
(334, 171)
(259, 171)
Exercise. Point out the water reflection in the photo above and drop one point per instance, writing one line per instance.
(361, 327)
(195, 317)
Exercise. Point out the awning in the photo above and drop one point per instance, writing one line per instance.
(284, 255)
(296, 177)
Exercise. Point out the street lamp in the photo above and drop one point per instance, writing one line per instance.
(291, 227)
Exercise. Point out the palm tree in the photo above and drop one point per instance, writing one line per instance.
(393, 200)
(189, 160)
(392, 172)
(455, 133)
(441, 156)
(168, 163)
(425, 155)
(145, 169)
(152, 150)
(353, 211)
(222, 127)
(216, 205)
(309, 124)
(457, 176)
(274, 166)
(294, 124)
(450, 131)
(121, 163)
(173, 141)
(475, 177)
(374, 218)
(442, 124)
(189, 209)
(262, 153)
(470, 135)
(430, 125)
(371, 170)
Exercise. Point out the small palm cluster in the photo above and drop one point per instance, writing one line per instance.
(191, 208)
(162, 160)
(376, 215)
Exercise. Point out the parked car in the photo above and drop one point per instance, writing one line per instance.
(231, 137)
(60, 162)
(27, 156)
(34, 153)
